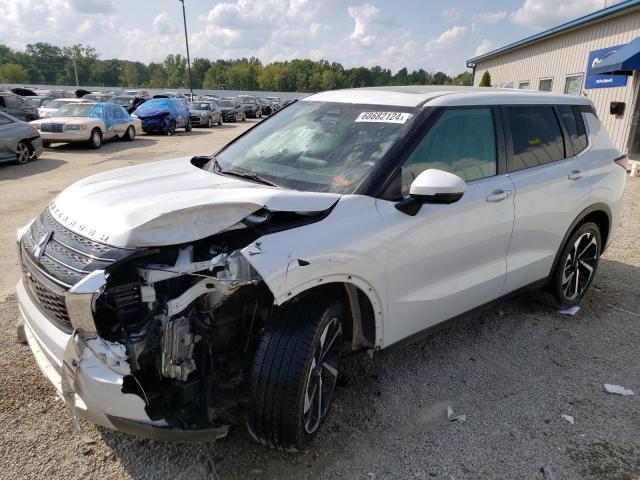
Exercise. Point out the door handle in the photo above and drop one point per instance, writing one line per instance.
(576, 175)
(499, 195)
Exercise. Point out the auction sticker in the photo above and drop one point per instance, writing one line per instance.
(384, 117)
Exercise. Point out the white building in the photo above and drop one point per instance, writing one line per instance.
(597, 56)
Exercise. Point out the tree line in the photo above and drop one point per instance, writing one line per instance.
(47, 64)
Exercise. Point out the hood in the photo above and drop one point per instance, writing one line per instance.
(67, 120)
(170, 202)
(201, 112)
(152, 112)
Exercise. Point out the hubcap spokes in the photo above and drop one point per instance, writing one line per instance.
(323, 375)
(579, 266)
(23, 153)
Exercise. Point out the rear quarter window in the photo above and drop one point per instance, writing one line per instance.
(536, 137)
(575, 127)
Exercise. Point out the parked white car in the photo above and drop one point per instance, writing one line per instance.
(349, 221)
(88, 122)
(53, 106)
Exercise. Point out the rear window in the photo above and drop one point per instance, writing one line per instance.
(536, 135)
(575, 127)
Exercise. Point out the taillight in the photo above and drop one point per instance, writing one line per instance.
(623, 161)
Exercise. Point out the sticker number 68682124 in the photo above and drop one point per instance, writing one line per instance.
(383, 117)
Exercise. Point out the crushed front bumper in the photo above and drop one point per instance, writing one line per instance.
(96, 379)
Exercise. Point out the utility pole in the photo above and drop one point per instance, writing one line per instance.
(186, 40)
(75, 69)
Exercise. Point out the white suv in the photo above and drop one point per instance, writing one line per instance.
(155, 295)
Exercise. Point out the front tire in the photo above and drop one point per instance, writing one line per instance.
(129, 135)
(295, 371)
(575, 270)
(95, 140)
(188, 127)
(23, 153)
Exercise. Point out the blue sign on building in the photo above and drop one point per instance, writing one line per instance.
(603, 81)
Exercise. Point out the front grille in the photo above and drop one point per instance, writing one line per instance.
(52, 127)
(66, 259)
(195, 118)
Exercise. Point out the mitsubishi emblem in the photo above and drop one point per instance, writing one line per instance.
(38, 250)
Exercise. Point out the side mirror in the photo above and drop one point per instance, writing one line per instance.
(432, 186)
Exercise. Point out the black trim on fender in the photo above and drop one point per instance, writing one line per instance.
(596, 207)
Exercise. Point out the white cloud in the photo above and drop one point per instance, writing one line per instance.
(490, 17)
(448, 37)
(363, 16)
(485, 46)
(163, 25)
(93, 6)
(543, 14)
(452, 14)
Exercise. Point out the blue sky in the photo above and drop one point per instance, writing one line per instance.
(434, 34)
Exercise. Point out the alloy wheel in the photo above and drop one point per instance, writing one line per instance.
(580, 265)
(323, 375)
(22, 153)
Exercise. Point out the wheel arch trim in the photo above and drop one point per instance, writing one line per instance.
(596, 207)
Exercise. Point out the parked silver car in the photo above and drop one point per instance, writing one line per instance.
(205, 113)
(19, 141)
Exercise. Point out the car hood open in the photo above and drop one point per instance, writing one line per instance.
(170, 202)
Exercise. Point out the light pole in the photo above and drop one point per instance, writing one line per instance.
(186, 40)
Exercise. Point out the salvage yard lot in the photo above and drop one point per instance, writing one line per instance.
(513, 369)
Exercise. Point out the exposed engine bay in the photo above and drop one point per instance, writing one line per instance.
(189, 317)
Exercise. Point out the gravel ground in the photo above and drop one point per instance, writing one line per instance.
(513, 369)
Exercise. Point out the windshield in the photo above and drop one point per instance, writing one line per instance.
(36, 101)
(226, 103)
(199, 106)
(56, 103)
(122, 101)
(75, 110)
(317, 146)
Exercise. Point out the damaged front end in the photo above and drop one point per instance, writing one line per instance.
(186, 319)
(153, 341)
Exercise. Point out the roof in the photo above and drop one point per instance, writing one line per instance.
(573, 24)
(435, 95)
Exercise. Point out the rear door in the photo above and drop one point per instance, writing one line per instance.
(448, 259)
(552, 188)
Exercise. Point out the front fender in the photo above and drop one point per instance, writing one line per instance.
(345, 247)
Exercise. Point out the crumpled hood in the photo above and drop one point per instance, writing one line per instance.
(170, 202)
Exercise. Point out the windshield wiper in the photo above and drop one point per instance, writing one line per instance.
(239, 172)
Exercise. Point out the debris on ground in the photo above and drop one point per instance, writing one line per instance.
(88, 440)
(569, 311)
(618, 390)
(568, 418)
(455, 418)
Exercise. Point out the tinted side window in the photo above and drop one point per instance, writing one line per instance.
(536, 135)
(575, 127)
(4, 120)
(462, 141)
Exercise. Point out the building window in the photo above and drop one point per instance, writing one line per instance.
(524, 85)
(573, 84)
(545, 85)
(536, 136)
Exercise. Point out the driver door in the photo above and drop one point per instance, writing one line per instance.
(448, 259)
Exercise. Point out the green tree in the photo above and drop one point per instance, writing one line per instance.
(463, 79)
(199, 69)
(12, 73)
(175, 67)
(441, 78)
(157, 75)
(485, 81)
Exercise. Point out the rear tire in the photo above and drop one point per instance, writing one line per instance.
(220, 120)
(295, 371)
(95, 140)
(46, 144)
(576, 268)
